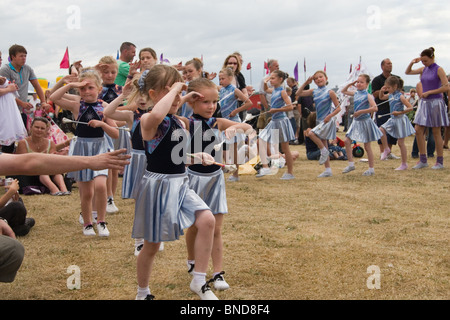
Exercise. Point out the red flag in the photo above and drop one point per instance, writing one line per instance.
(266, 67)
(325, 68)
(249, 66)
(65, 64)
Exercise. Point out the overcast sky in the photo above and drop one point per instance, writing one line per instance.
(335, 33)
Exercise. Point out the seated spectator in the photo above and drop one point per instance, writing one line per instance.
(336, 151)
(38, 142)
(12, 209)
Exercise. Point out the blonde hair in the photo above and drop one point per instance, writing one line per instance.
(227, 71)
(108, 60)
(201, 83)
(239, 66)
(157, 78)
(90, 73)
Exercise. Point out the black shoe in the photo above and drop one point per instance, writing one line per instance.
(24, 229)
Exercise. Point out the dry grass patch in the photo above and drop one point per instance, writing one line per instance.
(284, 240)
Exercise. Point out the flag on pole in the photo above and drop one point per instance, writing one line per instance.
(249, 66)
(65, 64)
(296, 72)
(304, 65)
(118, 55)
(325, 68)
(162, 60)
(351, 68)
(266, 67)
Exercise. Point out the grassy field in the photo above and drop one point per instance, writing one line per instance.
(306, 239)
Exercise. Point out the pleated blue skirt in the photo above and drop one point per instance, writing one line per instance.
(399, 127)
(165, 206)
(211, 188)
(87, 147)
(326, 131)
(432, 113)
(123, 142)
(364, 131)
(280, 129)
(133, 173)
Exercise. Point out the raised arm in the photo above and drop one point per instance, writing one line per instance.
(151, 121)
(51, 164)
(409, 69)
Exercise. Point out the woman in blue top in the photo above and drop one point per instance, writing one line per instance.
(326, 116)
(279, 129)
(398, 126)
(363, 128)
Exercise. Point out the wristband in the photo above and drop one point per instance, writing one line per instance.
(4, 220)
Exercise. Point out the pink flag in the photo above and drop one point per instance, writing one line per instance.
(249, 66)
(65, 64)
(266, 67)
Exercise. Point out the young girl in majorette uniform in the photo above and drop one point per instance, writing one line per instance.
(108, 70)
(280, 125)
(228, 97)
(165, 204)
(208, 181)
(90, 140)
(133, 172)
(363, 128)
(398, 126)
(326, 116)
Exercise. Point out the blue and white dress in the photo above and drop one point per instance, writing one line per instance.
(207, 181)
(323, 102)
(134, 172)
(88, 141)
(398, 126)
(279, 128)
(109, 94)
(363, 128)
(165, 204)
(229, 103)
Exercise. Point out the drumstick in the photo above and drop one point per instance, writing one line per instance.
(231, 168)
(65, 120)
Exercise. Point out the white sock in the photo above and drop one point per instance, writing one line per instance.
(351, 164)
(143, 292)
(371, 170)
(328, 170)
(324, 151)
(199, 278)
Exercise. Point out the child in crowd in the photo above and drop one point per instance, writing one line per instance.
(90, 140)
(12, 128)
(279, 130)
(208, 182)
(398, 126)
(108, 70)
(325, 116)
(165, 205)
(229, 95)
(363, 128)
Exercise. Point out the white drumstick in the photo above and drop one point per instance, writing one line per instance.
(65, 120)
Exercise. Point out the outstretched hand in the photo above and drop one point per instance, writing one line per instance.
(115, 160)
